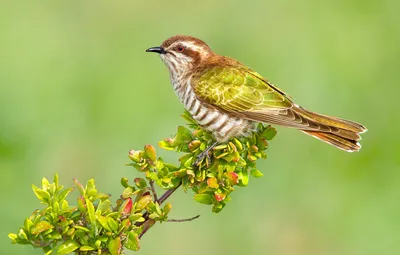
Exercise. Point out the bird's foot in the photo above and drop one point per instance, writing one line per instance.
(205, 154)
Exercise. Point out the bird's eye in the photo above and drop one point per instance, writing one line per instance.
(180, 48)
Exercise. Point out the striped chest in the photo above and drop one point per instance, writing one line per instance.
(221, 124)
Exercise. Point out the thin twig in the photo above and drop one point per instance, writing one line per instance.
(164, 197)
(151, 182)
(183, 220)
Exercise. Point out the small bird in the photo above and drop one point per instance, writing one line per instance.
(228, 98)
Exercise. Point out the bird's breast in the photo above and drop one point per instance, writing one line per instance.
(220, 123)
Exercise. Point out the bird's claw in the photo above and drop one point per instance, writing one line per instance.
(205, 154)
(201, 156)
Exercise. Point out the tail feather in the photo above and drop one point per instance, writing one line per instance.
(349, 145)
(345, 134)
(341, 133)
(331, 121)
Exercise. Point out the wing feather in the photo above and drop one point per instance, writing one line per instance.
(244, 93)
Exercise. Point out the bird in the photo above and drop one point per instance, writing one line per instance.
(229, 99)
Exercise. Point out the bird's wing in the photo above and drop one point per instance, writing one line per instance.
(244, 93)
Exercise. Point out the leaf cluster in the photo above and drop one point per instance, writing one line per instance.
(96, 226)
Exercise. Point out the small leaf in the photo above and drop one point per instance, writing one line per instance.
(64, 194)
(136, 156)
(45, 184)
(204, 198)
(140, 183)
(55, 180)
(28, 224)
(124, 182)
(256, 173)
(22, 235)
(125, 224)
(86, 248)
(128, 191)
(219, 196)
(212, 183)
(166, 144)
(80, 187)
(41, 194)
(167, 208)
(114, 246)
(104, 206)
(154, 216)
(126, 207)
(67, 247)
(193, 145)
(269, 133)
(135, 216)
(132, 242)
(103, 220)
(40, 227)
(244, 178)
(232, 177)
(150, 152)
(113, 224)
(142, 203)
(90, 211)
(91, 188)
(13, 236)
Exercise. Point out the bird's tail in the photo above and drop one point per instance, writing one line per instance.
(343, 134)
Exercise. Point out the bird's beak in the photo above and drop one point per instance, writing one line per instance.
(159, 50)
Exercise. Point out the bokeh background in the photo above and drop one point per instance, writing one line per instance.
(77, 91)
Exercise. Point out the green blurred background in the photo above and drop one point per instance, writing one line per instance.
(77, 91)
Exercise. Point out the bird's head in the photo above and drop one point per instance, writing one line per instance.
(182, 54)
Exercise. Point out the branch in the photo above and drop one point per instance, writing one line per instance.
(183, 220)
(164, 197)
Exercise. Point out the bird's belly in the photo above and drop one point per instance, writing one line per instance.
(221, 124)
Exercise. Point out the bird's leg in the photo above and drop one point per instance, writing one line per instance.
(204, 154)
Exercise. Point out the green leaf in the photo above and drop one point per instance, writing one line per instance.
(243, 178)
(13, 237)
(22, 235)
(150, 152)
(125, 224)
(41, 194)
(124, 182)
(204, 198)
(90, 211)
(55, 180)
(103, 220)
(269, 133)
(45, 184)
(40, 227)
(114, 246)
(86, 248)
(80, 187)
(104, 206)
(167, 208)
(113, 224)
(140, 183)
(135, 216)
(64, 194)
(256, 173)
(154, 216)
(142, 203)
(91, 188)
(166, 145)
(132, 242)
(28, 224)
(67, 247)
(128, 191)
